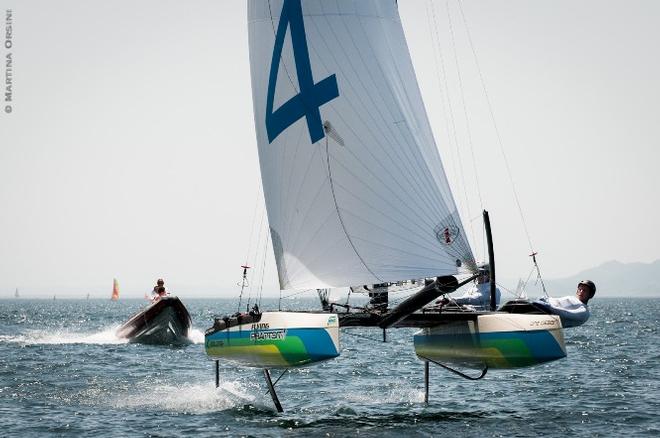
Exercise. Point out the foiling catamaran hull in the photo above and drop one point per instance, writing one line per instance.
(466, 339)
(166, 321)
(274, 339)
(512, 338)
(494, 340)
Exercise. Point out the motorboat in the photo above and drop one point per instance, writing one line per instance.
(165, 321)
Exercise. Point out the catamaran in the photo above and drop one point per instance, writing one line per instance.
(356, 194)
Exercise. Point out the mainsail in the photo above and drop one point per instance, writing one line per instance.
(354, 185)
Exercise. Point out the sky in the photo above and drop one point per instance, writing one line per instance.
(130, 150)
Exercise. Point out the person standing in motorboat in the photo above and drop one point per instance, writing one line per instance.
(573, 309)
(478, 296)
(155, 293)
(160, 293)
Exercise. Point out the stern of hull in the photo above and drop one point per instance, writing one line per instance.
(494, 340)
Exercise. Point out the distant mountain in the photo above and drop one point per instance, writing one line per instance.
(613, 278)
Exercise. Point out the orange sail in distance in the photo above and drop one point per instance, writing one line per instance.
(115, 290)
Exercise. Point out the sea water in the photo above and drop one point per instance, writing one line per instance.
(64, 372)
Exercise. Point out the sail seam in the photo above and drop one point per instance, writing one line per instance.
(385, 139)
(421, 189)
(281, 60)
(341, 220)
(385, 126)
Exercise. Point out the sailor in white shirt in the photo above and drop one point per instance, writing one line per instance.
(573, 309)
(478, 296)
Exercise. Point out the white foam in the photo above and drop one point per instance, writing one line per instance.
(396, 393)
(186, 398)
(196, 336)
(107, 336)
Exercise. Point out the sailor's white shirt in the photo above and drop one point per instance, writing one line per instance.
(570, 309)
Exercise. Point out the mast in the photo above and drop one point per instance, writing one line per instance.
(243, 284)
(491, 261)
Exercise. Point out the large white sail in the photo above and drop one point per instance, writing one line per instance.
(354, 185)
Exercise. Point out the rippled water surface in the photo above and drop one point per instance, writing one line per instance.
(63, 372)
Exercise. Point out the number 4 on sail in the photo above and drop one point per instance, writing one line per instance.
(310, 95)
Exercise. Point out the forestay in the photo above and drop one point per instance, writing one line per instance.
(354, 185)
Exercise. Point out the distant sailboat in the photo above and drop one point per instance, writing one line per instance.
(115, 290)
(88, 296)
(16, 294)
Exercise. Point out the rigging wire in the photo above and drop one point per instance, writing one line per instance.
(495, 126)
(452, 119)
(294, 294)
(256, 255)
(501, 146)
(465, 113)
(493, 120)
(263, 265)
(244, 281)
(254, 216)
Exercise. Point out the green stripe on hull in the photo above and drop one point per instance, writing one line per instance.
(497, 350)
(288, 352)
(278, 348)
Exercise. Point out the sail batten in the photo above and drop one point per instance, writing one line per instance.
(353, 181)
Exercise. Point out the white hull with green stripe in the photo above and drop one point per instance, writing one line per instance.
(274, 339)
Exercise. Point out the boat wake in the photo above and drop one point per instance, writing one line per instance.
(49, 337)
(186, 398)
(106, 336)
(196, 336)
(396, 393)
